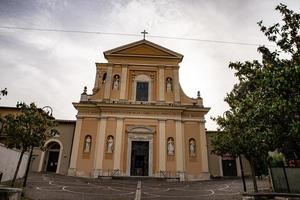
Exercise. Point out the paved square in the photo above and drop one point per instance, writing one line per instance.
(52, 186)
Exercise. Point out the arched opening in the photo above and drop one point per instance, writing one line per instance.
(104, 77)
(169, 84)
(53, 150)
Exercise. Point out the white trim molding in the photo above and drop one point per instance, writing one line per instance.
(140, 133)
(142, 78)
(44, 153)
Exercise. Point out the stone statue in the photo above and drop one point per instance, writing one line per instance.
(110, 144)
(192, 148)
(87, 146)
(169, 85)
(116, 82)
(171, 148)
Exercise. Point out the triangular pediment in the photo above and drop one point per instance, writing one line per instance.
(143, 48)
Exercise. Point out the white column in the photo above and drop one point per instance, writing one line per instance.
(123, 82)
(161, 84)
(203, 145)
(118, 144)
(75, 148)
(108, 82)
(176, 86)
(99, 150)
(179, 145)
(162, 145)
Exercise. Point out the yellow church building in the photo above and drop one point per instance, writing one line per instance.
(138, 121)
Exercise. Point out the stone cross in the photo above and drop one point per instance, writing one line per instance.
(144, 33)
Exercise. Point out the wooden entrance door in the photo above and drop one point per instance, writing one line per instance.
(139, 158)
(229, 165)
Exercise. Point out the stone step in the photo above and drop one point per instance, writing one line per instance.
(139, 178)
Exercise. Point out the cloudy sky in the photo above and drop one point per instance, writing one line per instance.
(51, 68)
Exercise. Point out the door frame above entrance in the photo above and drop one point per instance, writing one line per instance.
(140, 133)
(43, 155)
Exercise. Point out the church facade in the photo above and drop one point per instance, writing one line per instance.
(138, 121)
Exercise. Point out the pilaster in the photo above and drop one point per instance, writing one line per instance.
(123, 82)
(162, 145)
(96, 84)
(108, 82)
(179, 146)
(161, 84)
(99, 150)
(176, 86)
(75, 148)
(118, 144)
(203, 144)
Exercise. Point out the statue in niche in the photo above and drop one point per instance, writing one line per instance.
(87, 144)
(110, 144)
(116, 82)
(169, 84)
(104, 78)
(171, 149)
(192, 147)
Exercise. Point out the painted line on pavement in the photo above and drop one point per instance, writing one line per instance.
(138, 191)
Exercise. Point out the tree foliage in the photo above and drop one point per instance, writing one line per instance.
(3, 92)
(28, 129)
(264, 105)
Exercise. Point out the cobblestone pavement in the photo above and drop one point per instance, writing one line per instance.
(58, 187)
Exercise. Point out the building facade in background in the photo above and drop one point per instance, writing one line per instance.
(55, 158)
(138, 121)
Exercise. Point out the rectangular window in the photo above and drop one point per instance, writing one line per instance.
(142, 91)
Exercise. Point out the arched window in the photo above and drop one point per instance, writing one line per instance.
(116, 82)
(170, 146)
(142, 88)
(87, 144)
(110, 144)
(169, 84)
(192, 147)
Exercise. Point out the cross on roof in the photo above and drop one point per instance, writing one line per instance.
(144, 33)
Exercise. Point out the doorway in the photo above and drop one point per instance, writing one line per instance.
(53, 156)
(229, 165)
(139, 158)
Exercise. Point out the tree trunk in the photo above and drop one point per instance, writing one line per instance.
(253, 175)
(27, 168)
(17, 169)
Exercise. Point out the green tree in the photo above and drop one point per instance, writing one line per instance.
(264, 111)
(3, 92)
(29, 129)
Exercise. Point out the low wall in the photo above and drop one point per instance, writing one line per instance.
(282, 182)
(10, 193)
(8, 163)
